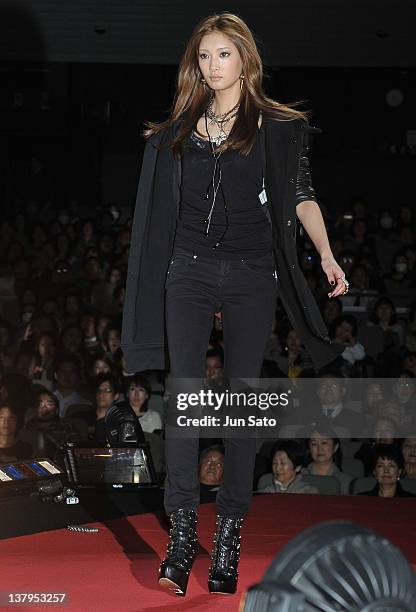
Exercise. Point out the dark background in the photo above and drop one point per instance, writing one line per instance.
(78, 78)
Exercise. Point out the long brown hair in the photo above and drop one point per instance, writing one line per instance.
(192, 96)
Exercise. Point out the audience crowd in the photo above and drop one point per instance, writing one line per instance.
(62, 289)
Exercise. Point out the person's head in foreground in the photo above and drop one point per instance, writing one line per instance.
(388, 465)
(138, 392)
(324, 447)
(211, 465)
(408, 448)
(288, 458)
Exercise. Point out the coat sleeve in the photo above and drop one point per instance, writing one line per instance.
(143, 198)
(304, 187)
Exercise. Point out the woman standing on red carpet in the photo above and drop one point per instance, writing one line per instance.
(224, 180)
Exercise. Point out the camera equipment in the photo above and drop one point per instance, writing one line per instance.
(40, 477)
(122, 426)
(121, 467)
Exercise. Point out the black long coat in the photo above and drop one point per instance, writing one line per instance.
(157, 205)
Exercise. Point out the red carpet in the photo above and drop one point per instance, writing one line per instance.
(115, 569)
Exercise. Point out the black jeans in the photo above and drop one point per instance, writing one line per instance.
(245, 292)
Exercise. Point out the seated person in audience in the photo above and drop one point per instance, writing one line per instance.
(345, 331)
(399, 278)
(101, 364)
(383, 315)
(72, 341)
(331, 309)
(325, 450)
(10, 448)
(361, 293)
(360, 241)
(408, 449)
(92, 343)
(45, 352)
(211, 471)
(44, 417)
(103, 321)
(383, 431)
(392, 410)
(292, 360)
(112, 339)
(409, 362)
(214, 365)
(288, 458)
(138, 391)
(346, 423)
(404, 394)
(102, 292)
(106, 395)
(72, 309)
(387, 469)
(45, 410)
(373, 395)
(43, 323)
(372, 265)
(67, 381)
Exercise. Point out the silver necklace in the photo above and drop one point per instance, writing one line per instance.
(215, 188)
(220, 120)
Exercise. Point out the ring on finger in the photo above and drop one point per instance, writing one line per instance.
(344, 280)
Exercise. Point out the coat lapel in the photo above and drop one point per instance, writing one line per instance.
(177, 172)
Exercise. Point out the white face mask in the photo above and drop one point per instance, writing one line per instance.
(26, 317)
(401, 267)
(386, 222)
(115, 213)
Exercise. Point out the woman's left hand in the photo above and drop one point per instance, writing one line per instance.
(334, 274)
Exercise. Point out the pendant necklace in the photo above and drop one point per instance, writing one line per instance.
(220, 120)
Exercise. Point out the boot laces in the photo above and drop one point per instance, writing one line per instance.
(226, 549)
(181, 548)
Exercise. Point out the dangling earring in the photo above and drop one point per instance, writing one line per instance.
(203, 81)
(241, 81)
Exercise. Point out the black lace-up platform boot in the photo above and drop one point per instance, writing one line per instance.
(181, 551)
(223, 574)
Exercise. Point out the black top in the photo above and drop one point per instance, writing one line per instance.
(400, 492)
(19, 450)
(143, 335)
(249, 232)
